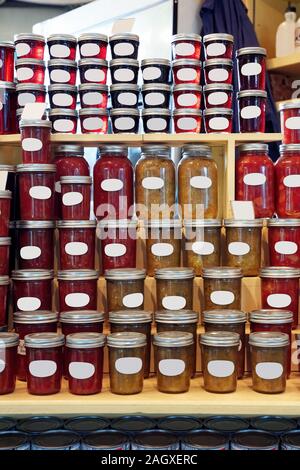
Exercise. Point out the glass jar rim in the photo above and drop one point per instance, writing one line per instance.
(222, 271)
(283, 223)
(269, 339)
(218, 37)
(174, 273)
(224, 316)
(130, 316)
(77, 275)
(8, 340)
(92, 37)
(120, 274)
(219, 339)
(126, 339)
(81, 316)
(279, 272)
(180, 316)
(39, 317)
(76, 224)
(85, 340)
(44, 340)
(186, 37)
(271, 316)
(32, 274)
(173, 339)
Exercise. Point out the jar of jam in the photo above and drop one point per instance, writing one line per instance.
(204, 439)
(218, 120)
(124, 45)
(222, 288)
(243, 245)
(124, 71)
(93, 71)
(156, 70)
(156, 120)
(63, 120)
(218, 94)
(126, 362)
(287, 182)
(84, 362)
(218, 71)
(4, 283)
(254, 178)
(218, 45)
(76, 197)
(62, 46)
(124, 95)
(44, 363)
(36, 191)
(173, 358)
(219, 353)
(5, 208)
(280, 289)
(35, 141)
(81, 321)
(186, 46)
(186, 71)
(62, 96)
(8, 363)
(290, 125)
(125, 120)
(107, 439)
(125, 289)
(252, 110)
(155, 182)
(5, 244)
(77, 289)
(93, 95)
(8, 105)
(284, 242)
(155, 439)
(76, 244)
(187, 96)
(174, 288)
(30, 93)
(32, 290)
(92, 45)
(62, 71)
(233, 321)
(251, 68)
(269, 361)
(7, 52)
(156, 95)
(35, 244)
(29, 46)
(134, 321)
(30, 71)
(93, 120)
(31, 322)
(187, 120)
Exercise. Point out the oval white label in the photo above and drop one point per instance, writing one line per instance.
(129, 365)
(72, 198)
(286, 248)
(60, 76)
(174, 302)
(269, 370)
(184, 49)
(92, 98)
(2, 366)
(187, 99)
(218, 75)
(222, 297)
(123, 48)
(22, 49)
(217, 98)
(60, 51)
(62, 99)
(162, 249)
(1, 63)
(133, 300)
(28, 304)
(124, 75)
(279, 300)
(42, 369)
(94, 75)
(92, 123)
(24, 73)
(238, 248)
(156, 124)
(215, 49)
(127, 98)
(151, 73)
(77, 299)
(187, 123)
(40, 192)
(58, 187)
(153, 182)
(21, 347)
(221, 369)
(187, 74)
(250, 112)
(251, 69)
(293, 123)
(218, 123)
(292, 181)
(63, 125)
(76, 248)
(154, 99)
(30, 252)
(124, 123)
(171, 367)
(200, 182)
(30, 144)
(24, 98)
(81, 370)
(255, 179)
(89, 49)
(112, 184)
(115, 249)
(203, 248)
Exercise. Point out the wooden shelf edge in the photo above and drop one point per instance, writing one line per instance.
(289, 64)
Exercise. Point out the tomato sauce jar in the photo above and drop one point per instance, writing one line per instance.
(5, 244)
(187, 96)
(290, 121)
(218, 71)
(76, 197)
(81, 321)
(30, 93)
(62, 71)
(156, 70)
(63, 120)
(252, 110)
(77, 289)
(156, 120)
(187, 120)
(8, 362)
(92, 45)
(35, 141)
(93, 71)
(4, 283)
(125, 120)
(284, 242)
(218, 45)
(93, 95)
(62, 96)
(32, 290)
(218, 120)
(7, 60)
(186, 46)
(93, 121)
(124, 95)
(8, 105)
(5, 206)
(186, 71)
(156, 95)
(62, 46)
(124, 71)
(29, 46)
(251, 63)
(287, 181)
(218, 94)
(30, 71)
(35, 244)
(124, 45)
(76, 244)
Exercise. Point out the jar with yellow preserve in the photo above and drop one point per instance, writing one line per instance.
(222, 288)
(202, 244)
(155, 183)
(125, 288)
(198, 183)
(174, 288)
(243, 245)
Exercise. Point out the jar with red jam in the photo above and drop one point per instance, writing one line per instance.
(155, 70)
(93, 71)
(113, 183)
(92, 45)
(5, 244)
(284, 242)
(81, 321)
(29, 46)
(187, 120)
(287, 182)
(125, 95)
(35, 244)
(84, 362)
(156, 120)
(32, 290)
(26, 323)
(251, 63)
(77, 289)
(76, 197)
(76, 244)
(280, 289)
(254, 179)
(218, 120)
(62, 46)
(5, 208)
(35, 140)
(218, 45)
(30, 93)
(36, 191)
(4, 283)
(186, 46)
(93, 121)
(63, 120)
(252, 110)
(93, 95)
(218, 94)
(62, 96)
(218, 71)
(8, 370)
(124, 45)
(186, 71)
(44, 363)
(7, 60)
(8, 105)
(187, 96)
(156, 95)
(30, 71)
(125, 120)
(290, 122)
(124, 71)
(62, 71)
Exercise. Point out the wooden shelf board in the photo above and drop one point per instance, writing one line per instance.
(289, 65)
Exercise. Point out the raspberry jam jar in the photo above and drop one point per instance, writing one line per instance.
(62, 96)
(290, 122)
(44, 363)
(222, 288)
(218, 45)
(7, 57)
(84, 362)
(93, 120)
(31, 322)
(218, 120)
(284, 242)
(4, 283)
(124, 95)
(124, 71)
(62, 71)
(156, 120)
(8, 105)
(76, 197)
(92, 45)
(8, 370)
(125, 289)
(218, 71)
(29, 46)
(186, 46)
(254, 178)
(251, 63)
(187, 120)
(280, 289)
(156, 95)
(93, 71)
(186, 71)
(32, 290)
(93, 95)
(30, 71)
(287, 182)
(218, 94)
(35, 141)
(35, 244)
(124, 46)
(174, 288)
(63, 120)
(187, 96)
(252, 110)
(76, 244)
(77, 289)
(62, 46)
(5, 244)
(81, 321)
(30, 93)
(36, 191)
(125, 120)
(5, 209)
(156, 70)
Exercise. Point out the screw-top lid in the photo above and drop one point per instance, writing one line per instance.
(76, 224)
(5, 194)
(61, 37)
(243, 223)
(155, 61)
(8, 168)
(251, 93)
(8, 85)
(126, 339)
(98, 62)
(121, 223)
(124, 87)
(14, 440)
(124, 37)
(93, 112)
(187, 87)
(38, 62)
(196, 150)
(38, 317)
(279, 272)
(251, 50)
(269, 339)
(186, 37)
(106, 439)
(124, 63)
(283, 222)
(29, 36)
(92, 37)
(187, 112)
(180, 316)
(271, 316)
(64, 112)
(113, 149)
(156, 112)
(220, 339)
(32, 274)
(8, 340)
(156, 87)
(222, 272)
(212, 62)
(36, 424)
(218, 37)
(36, 167)
(130, 316)
(81, 316)
(62, 87)
(86, 424)
(4, 280)
(35, 123)
(62, 63)
(217, 111)
(44, 340)
(202, 223)
(173, 339)
(186, 62)
(93, 87)
(157, 150)
(120, 274)
(289, 148)
(75, 180)
(77, 275)
(35, 224)
(85, 340)
(255, 147)
(4, 241)
(155, 439)
(59, 439)
(69, 149)
(174, 273)
(163, 223)
(253, 439)
(124, 112)
(224, 317)
(218, 87)
(30, 87)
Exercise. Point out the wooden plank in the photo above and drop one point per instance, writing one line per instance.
(289, 65)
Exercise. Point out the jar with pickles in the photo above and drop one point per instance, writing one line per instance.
(222, 288)
(174, 288)
(125, 288)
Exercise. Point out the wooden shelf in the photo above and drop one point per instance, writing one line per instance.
(289, 65)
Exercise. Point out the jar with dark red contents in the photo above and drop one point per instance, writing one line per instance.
(30, 93)
(62, 96)
(124, 95)
(156, 120)
(287, 182)
(8, 183)
(156, 70)
(254, 178)
(280, 289)
(62, 71)
(93, 71)
(93, 95)
(29, 46)
(113, 183)
(76, 197)
(76, 244)
(218, 120)
(8, 363)
(63, 120)
(30, 71)
(187, 96)
(218, 71)
(284, 242)
(77, 289)
(290, 121)
(44, 363)
(218, 45)
(187, 120)
(26, 323)
(4, 283)
(124, 45)
(7, 60)
(124, 71)
(5, 206)
(35, 244)
(156, 95)
(125, 120)
(32, 290)
(92, 45)
(93, 121)
(186, 46)
(218, 94)
(251, 63)
(252, 110)
(36, 191)
(186, 71)
(8, 106)
(81, 321)
(35, 141)
(62, 46)
(5, 244)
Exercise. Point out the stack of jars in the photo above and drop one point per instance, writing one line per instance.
(8, 100)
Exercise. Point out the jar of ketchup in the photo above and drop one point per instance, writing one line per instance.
(284, 242)
(287, 182)
(8, 354)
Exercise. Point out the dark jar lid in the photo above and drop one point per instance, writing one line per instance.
(38, 424)
(106, 439)
(226, 424)
(11, 440)
(255, 440)
(130, 316)
(291, 440)
(156, 439)
(7, 423)
(81, 316)
(8, 340)
(86, 424)
(37, 317)
(179, 424)
(55, 440)
(274, 424)
(133, 424)
(206, 439)
(44, 340)
(85, 340)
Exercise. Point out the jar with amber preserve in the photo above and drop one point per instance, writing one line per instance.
(243, 245)
(198, 183)
(269, 361)
(232, 321)
(125, 288)
(219, 352)
(222, 288)
(126, 362)
(174, 288)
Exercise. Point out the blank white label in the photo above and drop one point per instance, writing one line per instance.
(187, 123)
(115, 250)
(157, 124)
(203, 248)
(174, 302)
(218, 75)
(250, 112)
(60, 76)
(30, 252)
(124, 123)
(171, 367)
(269, 370)
(81, 370)
(200, 182)
(24, 98)
(184, 49)
(133, 300)
(151, 73)
(62, 99)
(92, 98)
(3, 177)
(21, 347)
(2, 366)
(60, 51)
(72, 198)
(22, 49)
(222, 297)
(127, 98)
(292, 181)
(286, 248)
(1, 105)
(77, 299)
(187, 99)
(112, 184)
(63, 125)
(92, 123)
(24, 73)
(154, 99)
(220, 368)
(123, 49)
(28, 304)
(58, 187)
(279, 300)
(40, 192)
(129, 365)
(251, 69)
(89, 49)
(42, 369)
(218, 123)
(293, 123)
(31, 144)
(238, 248)
(124, 75)
(162, 249)
(94, 75)
(255, 179)
(1, 63)
(153, 182)
(187, 74)
(76, 248)
(216, 49)
(217, 98)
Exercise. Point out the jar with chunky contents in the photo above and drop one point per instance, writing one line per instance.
(173, 359)
(252, 110)
(32, 290)
(218, 71)
(76, 197)
(126, 362)
(7, 51)
(81, 321)
(76, 244)
(62, 71)
(93, 95)
(174, 288)
(62, 46)
(62, 96)
(218, 94)
(134, 321)
(156, 94)
(44, 362)
(284, 242)
(8, 105)
(93, 120)
(35, 141)
(29, 46)
(186, 46)
(187, 120)
(5, 208)
(93, 71)
(4, 283)
(218, 45)
(287, 182)
(251, 68)
(5, 244)
(219, 352)
(30, 93)
(8, 370)
(124, 95)
(186, 71)
(92, 45)
(30, 71)
(269, 361)
(125, 289)
(155, 70)
(35, 244)
(232, 321)
(156, 120)
(124, 45)
(124, 71)
(218, 120)
(63, 120)
(187, 96)
(222, 288)
(77, 289)
(289, 117)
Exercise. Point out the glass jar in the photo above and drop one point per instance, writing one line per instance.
(251, 68)
(218, 94)
(243, 245)
(30, 93)
(124, 45)
(174, 288)
(76, 197)
(62, 71)
(181, 320)
(284, 242)
(218, 45)
(5, 208)
(254, 178)
(62, 96)
(232, 321)
(62, 46)
(124, 71)
(7, 51)
(5, 244)
(280, 289)
(32, 290)
(126, 362)
(156, 95)
(30, 71)
(222, 288)
(155, 183)
(8, 105)
(29, 46)
(36, 191)
(35, 244)
(76, 244)
(219, 353)
(35, 141)
(44, 363)
(31, 322)
(8, 370)
(290, 127)
(8, 183)
(4, 283)
(136, 321)
(156, 120)
(187, 120)
(186, 46)
(227, 425)
(187, 96)
(269, 361)
(14, 440)
(198, 183)
(186, 71)
(173, 358)
(156, 70)
(93, 95)
(77, 289)
(93, 120)
(218, 120)
(252, 110)
(92, 45)
(125, 289)
(81, 321)
(287, 182)
(124, 95)
(218, 71)
(93, 71)
(83, 356)
(63, 120)
(125, 120)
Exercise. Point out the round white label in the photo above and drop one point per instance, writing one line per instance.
(157, 124)
(62, 99)
(24, 98)
(218, 123)
(124, 123)
(238, 248)
(269, 370)
(222, 297)
(200, 182)
(184, 49)
(124, 75)
(250, 112)
(123, 49)
(40, 192)
(254, 179)
(76, 248)
(22, 49)
(129, 365)
(81, 370)
(72, 198)
(24, 73)
(89, 49)
(133, 300)
(59, 51)
(30, 252)
(293, 123)
(292, 181)
(93, 123)
(153, 182)
(279, 300)
(286, 248)
(92, 98)
(60, 76)
(187, 74)
(171, 367)
(28, 304)
(30, 144)
(42, 369)
(187, 99)
(187, 123)
(112, 184)
(217, 98)
(94, 75)
(174, 302)
(162, 249)
(203, 248)
(77, 299)
(63, 125)
(251, 69)
(154, 99)
(215, 49)
(151, 73)
(220, 368)
(218, 75)
(127, 98)
(115, 250)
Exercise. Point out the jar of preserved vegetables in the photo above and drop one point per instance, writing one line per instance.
(222, 288)
(174, 288)
(125, 288)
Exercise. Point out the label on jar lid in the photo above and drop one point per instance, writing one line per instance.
(184, 49)
(60, 51)
(154, 99)
(42, 368)
(286, 248)
(77, 299)
(124, 75)
(250, 112)
(293, 123)
(92, 123)
(220, 368)
(279, 300)
(127, 98)
(238, 248)
(251, 69)
(173, 302)
(153, 182)
(218, 75)
(112, 184)
(157, 124)
(200, 182)
(89, 49)
(129, 365)
(76, 248)
(2, 365)
(222, 297)
(24, 73)
(215, 49)
(124, 49)
(72, 198)
(269, 370)
(115, 250)
(22, 49)
(124, 123)
(94, 75)
(187, 123)
(30, 252)
(187, 74)
(162, 249)
(203, 248)
(21, 347)
(28, 304)
(171, 367)
(63, 125)
(217, 98)
(24, 98)
(30, 144)
(92, 98)
(133, 300)
(60, 76)
(218, 123)
(62, 99)
(40, 192)
(81, 370)
(187, 99)
(292, 181)
(151, 73)
(254, 179)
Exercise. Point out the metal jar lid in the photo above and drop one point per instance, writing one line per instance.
(5, 241)
(251, 50)
(105, 439)
(35, 224)
(4, 281)
(14, 440)
(243, 223)
(124, 37)
(71, 149)
(155, 439)
(269, 339)
(5, 194)
(173, 339)
(180, 316)
(196, 150)
(126, 339)
(124, 63)
(37, 424)
(62, 63)
(218, 37)
(92, 37)
(155, 61)
(29, 36)
(224, 317)
(36, 167)
(85, 340)
(174, 273)
(257, 147)
(179, 424)
(187, 87)
(86, 424)
(8, 168)
(157, 150)
(93, 86)
(98, 62)
(253, 439)
(30, 87)
(59, 439)
(76, 224)
(186, 62)
(218, 87)
(62, 87)
(133, 424)
(38, 62)
(40, 316)
(9, 86)
(32, 274)
(162, 112)
(202, 223)
(130, 316)
(163, 223)
(8, 44)
(212, 62)
(187, 112)
(44, 340)
(77, 275)
(125, 112)
(113, 149)
(186, 37)
(35, 123)
(213, 111)
(222, 272)
(220, 339)
(280, 272)
(283, 222)
(251, 93)
(226, 424)
(291, 104)
(289, 148)
(61, 37)
(271, 316)
(156, 87)
(291, 440)
(93, 112)
(124, 87)
(8, 340)
(81, 316)
(121, 223)
(7, 423)
(205, 439)
(75, 180)
(64, 112)
(120, 274)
